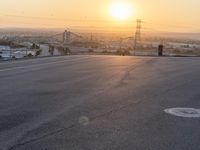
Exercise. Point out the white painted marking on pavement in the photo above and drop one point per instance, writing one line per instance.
(36, 65)
(184, 112)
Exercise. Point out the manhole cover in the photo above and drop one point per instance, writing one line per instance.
(184, 112)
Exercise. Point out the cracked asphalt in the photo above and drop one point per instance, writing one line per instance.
(99, 103)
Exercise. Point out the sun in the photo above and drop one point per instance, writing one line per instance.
(120, 11)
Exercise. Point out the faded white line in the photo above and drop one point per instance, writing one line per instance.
(36, 59)
(36, 65)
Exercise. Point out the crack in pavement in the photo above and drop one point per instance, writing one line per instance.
(74, 125)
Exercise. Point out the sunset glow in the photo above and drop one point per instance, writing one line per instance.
(120, 11)
(163, 14)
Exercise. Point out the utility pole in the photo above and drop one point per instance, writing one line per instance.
(120, 42)
(10, 53)
(91, 38)
(137, 33)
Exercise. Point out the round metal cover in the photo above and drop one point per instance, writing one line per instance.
(184, 112)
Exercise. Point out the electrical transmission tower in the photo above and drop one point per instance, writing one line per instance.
(66, 37)
(137, 33)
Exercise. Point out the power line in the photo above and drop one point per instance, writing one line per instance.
(56, 19)
(172, 26)
(64, 20)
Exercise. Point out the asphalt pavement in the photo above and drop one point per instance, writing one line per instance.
(99, 103)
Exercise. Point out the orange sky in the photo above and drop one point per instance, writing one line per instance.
(158, 15)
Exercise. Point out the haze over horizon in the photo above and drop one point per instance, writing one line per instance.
(162, 15)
